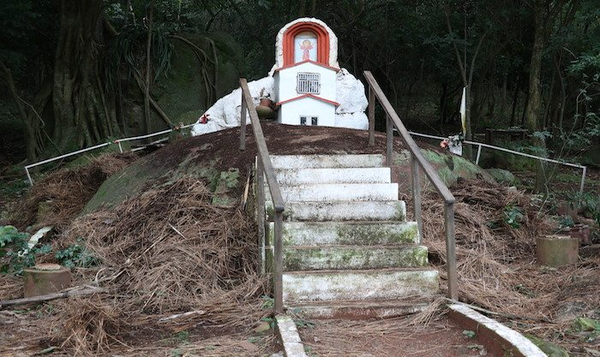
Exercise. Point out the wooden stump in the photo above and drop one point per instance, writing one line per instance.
(44, 279)
(557, 250)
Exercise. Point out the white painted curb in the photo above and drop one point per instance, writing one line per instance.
(290, 339)
(521, 344)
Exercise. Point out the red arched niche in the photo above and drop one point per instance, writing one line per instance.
(322, 42)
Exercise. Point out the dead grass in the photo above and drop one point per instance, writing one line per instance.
(172, 261)
(67, 191)
(496, 262)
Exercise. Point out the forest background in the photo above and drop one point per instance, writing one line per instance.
(77, 73)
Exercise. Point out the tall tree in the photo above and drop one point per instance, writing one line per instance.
(83, 112)
(545, 14)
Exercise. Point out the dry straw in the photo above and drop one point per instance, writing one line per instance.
(172, 261)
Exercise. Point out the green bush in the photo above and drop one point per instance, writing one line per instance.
(75, 256)
(15, 254)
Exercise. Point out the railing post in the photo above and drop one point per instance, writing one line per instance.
(478, 155)
(29, 176)
(260, 213)
(450, 251)
(278, 271)
(243, 124)
(416, 194)
(371, 116)
(582, 180)
(389, 139)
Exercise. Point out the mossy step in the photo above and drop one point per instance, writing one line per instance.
(322, 161)
(291, 177)
(346, 233)
(318, 211)
(354, 257)
(338, 192)
(378, 284)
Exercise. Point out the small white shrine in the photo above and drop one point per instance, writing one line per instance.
(306, 84)
(305, 73)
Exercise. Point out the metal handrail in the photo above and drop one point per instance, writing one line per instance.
(417, 160)
(265, 168)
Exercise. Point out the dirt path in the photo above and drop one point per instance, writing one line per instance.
(393, 337)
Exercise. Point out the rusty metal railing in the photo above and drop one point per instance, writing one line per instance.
(264, 168)
(417, 162)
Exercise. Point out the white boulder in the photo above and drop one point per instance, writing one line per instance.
(226, 112)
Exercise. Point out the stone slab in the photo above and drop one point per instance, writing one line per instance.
(322, 161)
(354, 257)
(338, 192)
(342, 211)
(333, 175)
(382, 284)
(346, 233)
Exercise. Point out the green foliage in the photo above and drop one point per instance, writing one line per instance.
(469, 333)
(586, 324)
(566, 221)
(15, 254)
(513, 216)
(183, 336)
(128, 51)
(551, 349)
(75, 256)
(270, 321)
(302, 323)
(268, 302)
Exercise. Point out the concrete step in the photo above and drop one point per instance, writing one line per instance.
(346, 233)
(382, 284)
(359, 310)
(331, 161)
(318, 211)
(348, 257)
(290, 177)
(338, 192)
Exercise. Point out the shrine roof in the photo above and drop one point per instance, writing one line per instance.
(307, 61)
(308, 96)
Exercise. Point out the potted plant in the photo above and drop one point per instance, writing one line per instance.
(266, 108)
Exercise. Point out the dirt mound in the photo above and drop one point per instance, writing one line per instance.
(206, 156)
(64, 193)
(166, 253)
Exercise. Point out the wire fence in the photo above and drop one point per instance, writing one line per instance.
(99, 146)
(482, 145)
(474, 143)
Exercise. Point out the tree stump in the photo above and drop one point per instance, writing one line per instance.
(557, 250)
(44, 279)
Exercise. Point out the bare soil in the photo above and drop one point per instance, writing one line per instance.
(393, 338)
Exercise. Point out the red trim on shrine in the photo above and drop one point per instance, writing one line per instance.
(322, 42)
(309, 96)
(308, 61)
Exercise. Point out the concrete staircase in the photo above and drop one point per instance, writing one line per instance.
(348, 250)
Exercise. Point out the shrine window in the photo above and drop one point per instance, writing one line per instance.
(305, 120)
(308, 83)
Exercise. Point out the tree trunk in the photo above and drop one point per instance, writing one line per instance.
(533, 109)
(515, 102)
(81, 113)
(148, 69)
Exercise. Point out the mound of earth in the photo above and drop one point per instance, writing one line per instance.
(212, 156)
